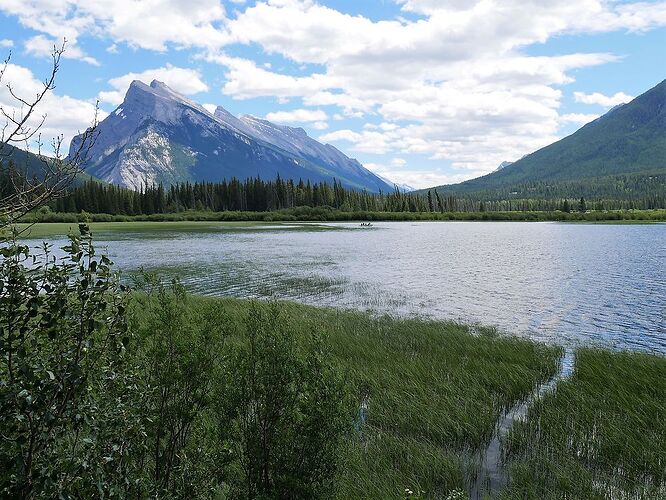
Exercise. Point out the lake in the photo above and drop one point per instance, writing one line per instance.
(572, 284)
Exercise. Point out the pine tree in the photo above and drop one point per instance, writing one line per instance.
(566, 207)
(582, 206)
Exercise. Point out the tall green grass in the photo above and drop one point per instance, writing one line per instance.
(434, 392)
(600, 435)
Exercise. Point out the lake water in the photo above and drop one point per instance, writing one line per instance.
(564, 283)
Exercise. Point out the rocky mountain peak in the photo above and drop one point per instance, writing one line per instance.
(158, 135)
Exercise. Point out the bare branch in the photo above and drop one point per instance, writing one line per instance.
(19, 132)
(22, 190)
(5, 63)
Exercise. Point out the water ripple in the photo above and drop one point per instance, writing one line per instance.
(570, 284)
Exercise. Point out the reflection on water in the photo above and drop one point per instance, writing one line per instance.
(572, 284)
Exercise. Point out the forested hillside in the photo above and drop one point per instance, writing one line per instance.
(621, 155)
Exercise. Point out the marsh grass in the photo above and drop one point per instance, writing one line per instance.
(146, 228)
(434, 392)
(601, 434)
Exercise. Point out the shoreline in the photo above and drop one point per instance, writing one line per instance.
(306, 214)
(38, 229)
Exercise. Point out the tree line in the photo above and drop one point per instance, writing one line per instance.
(258, 195)
(617, 192)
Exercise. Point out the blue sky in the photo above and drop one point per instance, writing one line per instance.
(424, 92)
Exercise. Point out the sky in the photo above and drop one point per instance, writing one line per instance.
(423, 92)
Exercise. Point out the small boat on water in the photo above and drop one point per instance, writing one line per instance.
(366, 224)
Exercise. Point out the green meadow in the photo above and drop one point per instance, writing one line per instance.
(328, 214)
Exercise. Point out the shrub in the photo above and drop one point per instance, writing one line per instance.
(285, 411)
(65, 388)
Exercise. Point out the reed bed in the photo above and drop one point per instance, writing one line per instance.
(600, 435)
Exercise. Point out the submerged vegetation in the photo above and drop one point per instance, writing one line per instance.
(601, 434)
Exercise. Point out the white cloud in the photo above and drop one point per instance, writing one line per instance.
(554, 16)
(298, 116)
(246, 80)
(578, 118)
(601, 99)
(65, 115)
(41, 46)
(183, 80)
(365, 142)
(210, 107)
(152, 24)
(417, 178)
(457, 78)
(5, 43)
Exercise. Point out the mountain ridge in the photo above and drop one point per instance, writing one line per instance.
(630, 139)
(159, 136)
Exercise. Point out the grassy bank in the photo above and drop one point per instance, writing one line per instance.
(602, 434)
(332, 215)
(434, 391)
(41, 230)
(46, 229)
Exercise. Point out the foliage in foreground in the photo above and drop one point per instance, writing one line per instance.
(286, 411)
(66, 392)
(600, 435)
(94, 407)
(432, 393)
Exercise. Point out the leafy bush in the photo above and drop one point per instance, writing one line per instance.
(66, 392)
(179, 347)
(285, 411)
(103, 396)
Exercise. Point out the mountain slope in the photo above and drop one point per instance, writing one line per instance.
(629, 140)
(158, 136)
(33, 166)
(24, 161)
(297, 141)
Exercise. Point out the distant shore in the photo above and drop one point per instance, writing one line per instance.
(306, 214)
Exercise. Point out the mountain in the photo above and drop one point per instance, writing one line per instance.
(403, 188)
(628, 142)
(34, 166)
(24, 161)
(159, 136)
(297, 142)
(502, 165)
